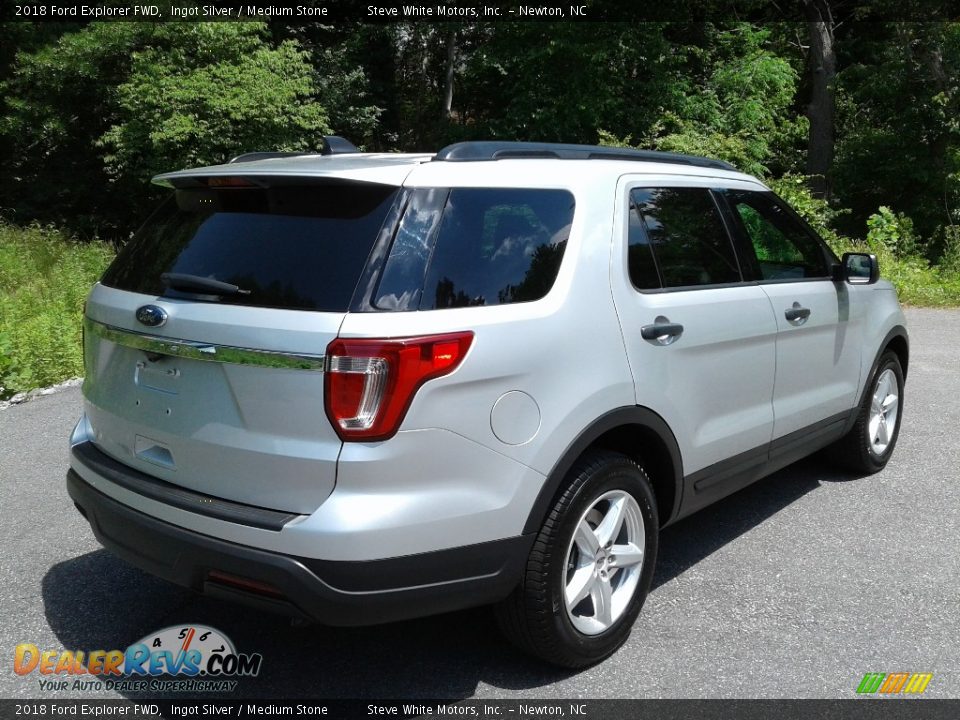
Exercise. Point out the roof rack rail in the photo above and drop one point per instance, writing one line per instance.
(332, 145)
(495, 150)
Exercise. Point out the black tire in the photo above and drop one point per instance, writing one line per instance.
(856, 451)
(535, 616)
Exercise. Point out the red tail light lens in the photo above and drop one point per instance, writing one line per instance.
(369, 384)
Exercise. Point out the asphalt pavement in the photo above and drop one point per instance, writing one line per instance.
(793, 588)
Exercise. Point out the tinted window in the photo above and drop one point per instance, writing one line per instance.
(784, 247)
(290, 247)
(401, 284)
(640, 260)
(490, 247)
(686, 234)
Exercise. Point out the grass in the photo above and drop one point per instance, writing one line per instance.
(44, 279)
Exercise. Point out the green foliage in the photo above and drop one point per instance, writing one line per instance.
(950, 257)
(89, 118)
(741, 111)
(893, 231)
(59, 98)
(917, 283)
(221, 91)
(44, 280)
(898, 125)
(562, 82)
(343, 92)
(891, 238)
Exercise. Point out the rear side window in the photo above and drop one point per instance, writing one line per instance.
(677, 239)
(294, 247)
(476, 247)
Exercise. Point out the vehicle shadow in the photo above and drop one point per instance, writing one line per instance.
(96, 601)
(694, 538)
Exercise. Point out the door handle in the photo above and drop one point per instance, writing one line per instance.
(796, 314)
(663, 332)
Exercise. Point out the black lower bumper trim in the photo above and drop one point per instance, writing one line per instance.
(170, 494)
(330, 592)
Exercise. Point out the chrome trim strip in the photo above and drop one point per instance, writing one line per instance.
(204, 351)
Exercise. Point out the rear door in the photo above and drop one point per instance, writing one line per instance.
(204, 340)
(701, 342)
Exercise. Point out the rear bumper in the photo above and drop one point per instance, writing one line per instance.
(343, 593)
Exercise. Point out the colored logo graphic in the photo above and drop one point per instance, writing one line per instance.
(179, 650)
(894, 683)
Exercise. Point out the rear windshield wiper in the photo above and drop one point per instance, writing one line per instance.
(197, 283)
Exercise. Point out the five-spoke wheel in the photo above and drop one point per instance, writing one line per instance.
(603, 563)
(869, 444)
(884, 411)
(591, 564)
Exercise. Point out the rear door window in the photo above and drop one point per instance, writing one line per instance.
(678, 237)
(293, 247)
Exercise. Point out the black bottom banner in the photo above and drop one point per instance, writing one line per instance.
(859, 709)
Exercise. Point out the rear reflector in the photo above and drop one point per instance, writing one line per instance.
(242, 583)
(369, 384)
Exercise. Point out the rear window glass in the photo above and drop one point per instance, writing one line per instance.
(294, 247)
(685, 232)
(476, 247)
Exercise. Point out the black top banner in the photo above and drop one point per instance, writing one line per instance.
(385, 11)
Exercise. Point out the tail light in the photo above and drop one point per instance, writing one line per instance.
(369, 384)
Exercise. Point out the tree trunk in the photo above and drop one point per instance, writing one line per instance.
(820, 111)
(447, 108)
(940, 141)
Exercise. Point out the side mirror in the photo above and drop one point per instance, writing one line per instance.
(859, 268)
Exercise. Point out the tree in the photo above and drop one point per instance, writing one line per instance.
(820, 111)
(89, 118)
(564, 82)
(898, 125)
(737, 103)
(221, 92)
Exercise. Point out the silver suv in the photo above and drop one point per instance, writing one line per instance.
(362, 387)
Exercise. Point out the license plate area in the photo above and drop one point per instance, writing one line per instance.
(159, 375)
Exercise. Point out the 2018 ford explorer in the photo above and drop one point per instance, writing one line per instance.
(361, 387)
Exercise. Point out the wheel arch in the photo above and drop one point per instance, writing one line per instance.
(638, 433)
(897, 341)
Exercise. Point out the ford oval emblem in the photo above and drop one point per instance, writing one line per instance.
(151, 315)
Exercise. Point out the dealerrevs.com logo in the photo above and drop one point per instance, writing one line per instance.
(179, 658)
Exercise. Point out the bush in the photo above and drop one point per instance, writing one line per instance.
(893, 231)
(950, 257)
(892, 238)
(44, 280)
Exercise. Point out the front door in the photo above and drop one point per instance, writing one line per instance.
(818, 329)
